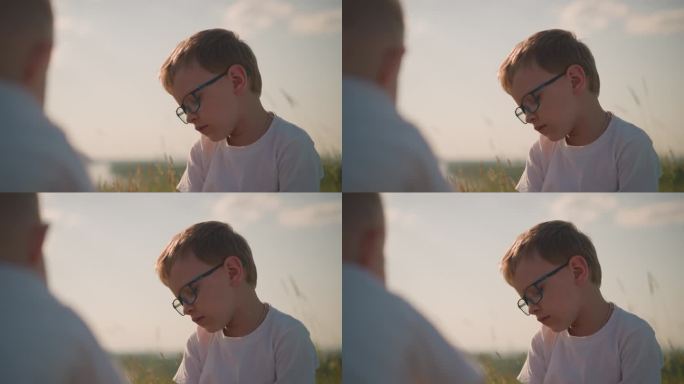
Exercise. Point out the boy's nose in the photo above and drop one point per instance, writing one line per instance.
(187, 309)
(531, 117)
(192, 117)
(533, 308)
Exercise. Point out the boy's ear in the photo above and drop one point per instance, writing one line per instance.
(578, 78)
(579, 268)
(238, 77)
(235, 269)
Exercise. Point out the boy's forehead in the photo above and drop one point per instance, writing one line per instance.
(529, 269)
(187, 77)
(184, 269)
(526, 78)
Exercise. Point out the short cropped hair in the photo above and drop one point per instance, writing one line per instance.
(21, 23)
(360, 211)
(554, 51)
(215, 50)
(554, 241)
(20, 211)
(212, 242)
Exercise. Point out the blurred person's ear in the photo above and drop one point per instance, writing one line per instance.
(34, 74)
(371, 252)
(36, 258)
(388, 73)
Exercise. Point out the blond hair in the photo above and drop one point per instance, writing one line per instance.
(215, 50)
(554, 241)
(554, 51)
(211, 242)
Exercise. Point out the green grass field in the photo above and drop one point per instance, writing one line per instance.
(502, 175)
(160, 368)
(503, 369)
(498, 369)
(163, 176)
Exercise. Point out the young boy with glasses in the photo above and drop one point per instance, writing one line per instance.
(214, 78)
(583, 338)
(552, 77)
(239, 339)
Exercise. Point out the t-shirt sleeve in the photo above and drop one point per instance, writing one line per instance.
(295, 357)
(638, 165)
(434, 360)
(534, 369)
(532, 178)
(193, 177)
(190, 367)
(641, 358)
(299, 166)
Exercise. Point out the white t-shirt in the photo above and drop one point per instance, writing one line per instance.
(622, 159)
(34, 153)
(381, 151)
(278, 351)
(44, 341)
(623, 351)
(282, 160)
(385, 340)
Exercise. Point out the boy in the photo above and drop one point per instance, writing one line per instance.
(35, 155)
(385, 339)
(552, 77)
(215, 79)
(43, 341)
(583, 338)
(382, 151)
(239, 339)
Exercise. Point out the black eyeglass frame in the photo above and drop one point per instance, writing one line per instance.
(178, 302)
(522, 110)
(525, 301)
(183, 110)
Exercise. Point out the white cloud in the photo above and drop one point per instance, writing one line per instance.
(582, 209)
(587, 16)
(650, 215)
(657, 23)
(245, 209)
(401, 218)
(311, 215)
(314, 23)
(249, 17)
(68, 25)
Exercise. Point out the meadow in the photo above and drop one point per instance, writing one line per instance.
(498, 368)
(502, 175)
(163, 175)
(503, 369)
(159, 368)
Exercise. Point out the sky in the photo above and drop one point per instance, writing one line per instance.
(101, 250)
(454, 49)
(103, 86)
(443, 252)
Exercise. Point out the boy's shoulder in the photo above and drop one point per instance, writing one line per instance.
(288, 132)
(629, 323)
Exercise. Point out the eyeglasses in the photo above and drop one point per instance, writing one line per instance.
(530, 102)
(191, 101)
(533, 294)
(188, 293)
